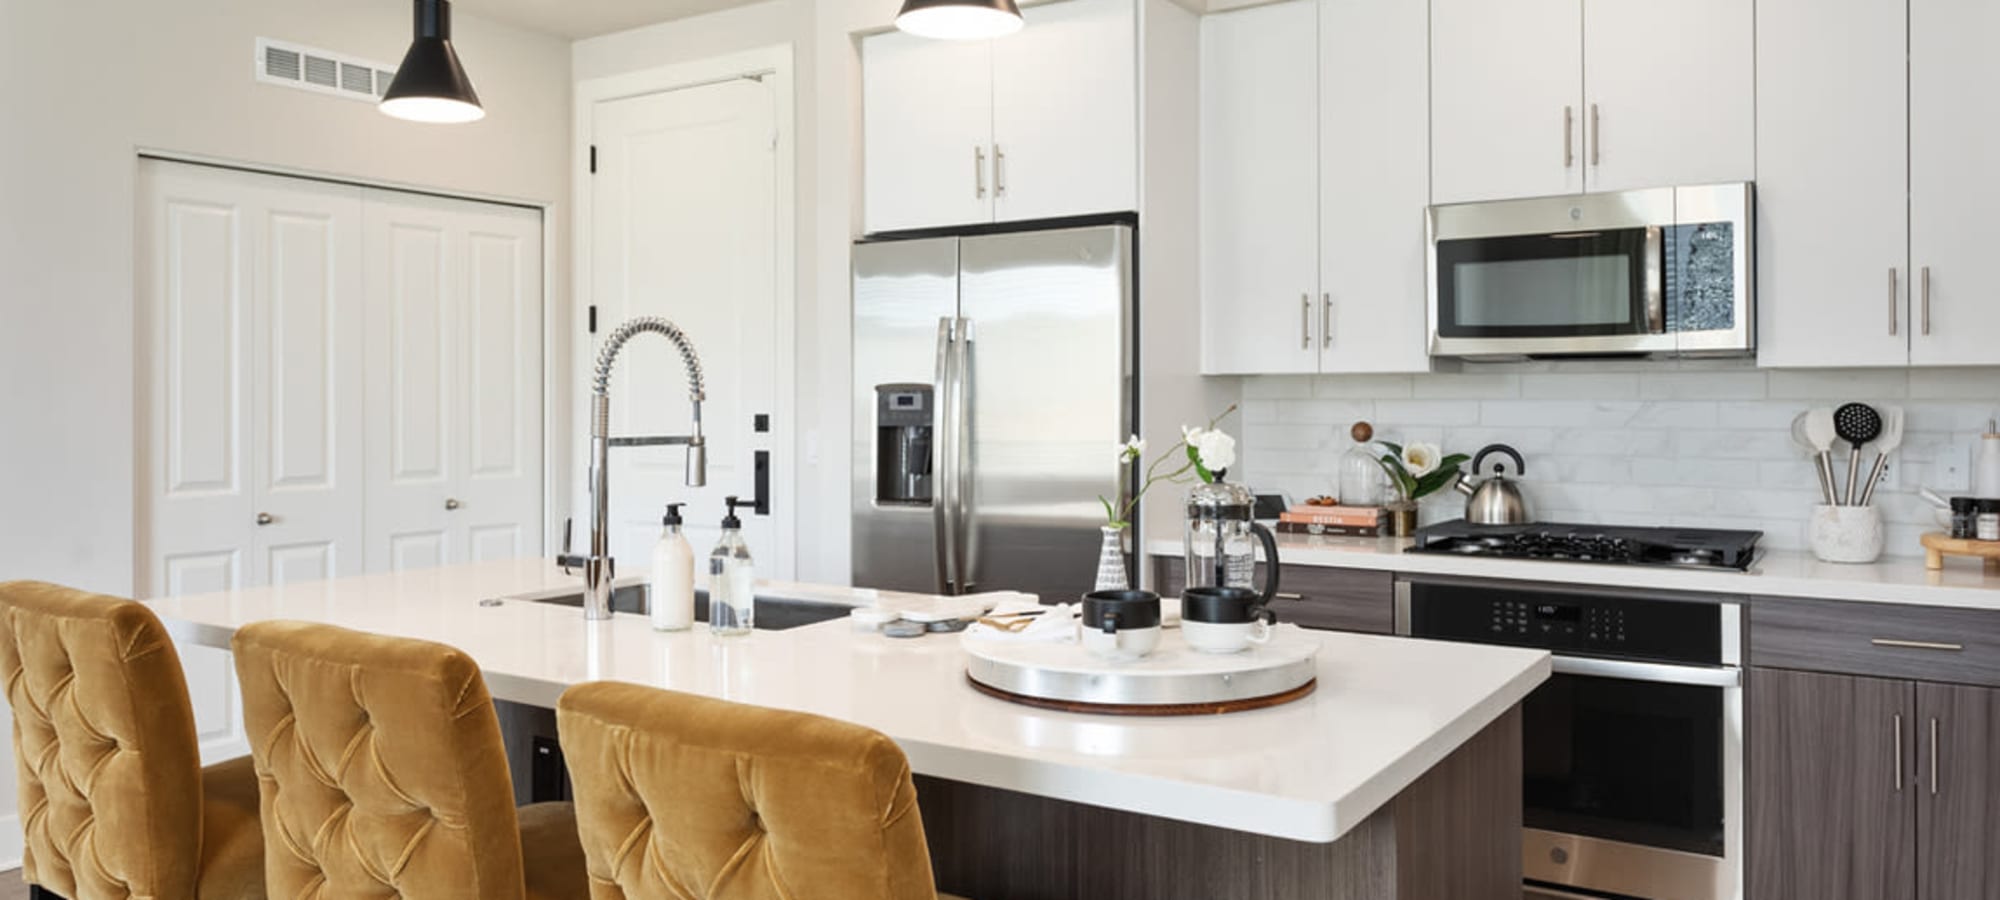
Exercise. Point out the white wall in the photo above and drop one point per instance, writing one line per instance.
(1700, 443)
(94, 81)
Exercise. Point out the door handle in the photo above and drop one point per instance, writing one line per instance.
(944, 531)
(264, 518)
(1925, 278)
(1596, 133)
(451, 503)
(978, 173)
(1326, 319)
(1934, 755)
(1892, 301)
(1305, 322)
(761, 480)
(1569, 137)
(999, 171)
(1898, 738)
(965, 494)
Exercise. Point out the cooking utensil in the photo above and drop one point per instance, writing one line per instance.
(1931, 497)
(1857, 424)
(1892, 438)
(1821, 432)
(1802, 437)
(1495, 501)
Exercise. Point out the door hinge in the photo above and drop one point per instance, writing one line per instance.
(593, 318)
(593, 159)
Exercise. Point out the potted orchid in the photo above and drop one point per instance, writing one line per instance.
(1203, 453)
(1417, 470)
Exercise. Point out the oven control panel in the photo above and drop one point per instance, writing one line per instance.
(1565, 621)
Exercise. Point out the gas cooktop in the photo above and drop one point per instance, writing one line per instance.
(1699, 548)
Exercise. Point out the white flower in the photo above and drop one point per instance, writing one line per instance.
(1216, 449)
(1420, 459)
(1133, 448)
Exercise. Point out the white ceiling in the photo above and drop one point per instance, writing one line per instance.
(576, 19)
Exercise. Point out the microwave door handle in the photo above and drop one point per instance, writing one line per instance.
(1656, 280)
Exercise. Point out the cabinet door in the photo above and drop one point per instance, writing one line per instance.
(1374, 141)
(1066, 112)
(1259, 204)
(1958, 792)
(927, 130)
(1669, 96)
(1954, 138)
(1832, 171)
(1506, 95)
(1831, 797)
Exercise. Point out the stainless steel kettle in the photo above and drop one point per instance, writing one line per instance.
(1494, 500)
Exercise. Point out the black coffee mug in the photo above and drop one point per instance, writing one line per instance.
(1109, 611)
(1225, 606)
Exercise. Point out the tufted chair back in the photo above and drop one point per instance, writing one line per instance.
(689, 798)
(380, 767)
(104, 745)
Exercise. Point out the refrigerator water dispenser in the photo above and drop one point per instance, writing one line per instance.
(903, 417)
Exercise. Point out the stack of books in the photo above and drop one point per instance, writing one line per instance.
(1350, 521)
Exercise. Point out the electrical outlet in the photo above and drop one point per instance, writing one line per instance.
(1891, 479)
(1952, 469)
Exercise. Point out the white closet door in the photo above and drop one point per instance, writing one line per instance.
(454, 331)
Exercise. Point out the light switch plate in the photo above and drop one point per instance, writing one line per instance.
(1952, 469)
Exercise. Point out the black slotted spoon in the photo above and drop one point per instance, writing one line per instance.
(1857, 424)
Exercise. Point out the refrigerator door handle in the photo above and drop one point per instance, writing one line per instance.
(944, 468)
(964, 446)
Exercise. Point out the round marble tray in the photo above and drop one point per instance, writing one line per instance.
(1175, 678)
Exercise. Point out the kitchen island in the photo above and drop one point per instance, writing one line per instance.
(1398, 777)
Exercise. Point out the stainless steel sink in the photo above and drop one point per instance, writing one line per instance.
(773, 613)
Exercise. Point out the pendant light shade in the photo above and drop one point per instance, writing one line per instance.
(431, 86)
(959, 20)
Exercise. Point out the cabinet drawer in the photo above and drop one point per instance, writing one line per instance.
(1312, 596)
(1917, 642)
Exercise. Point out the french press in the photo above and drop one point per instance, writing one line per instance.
(1219, 537)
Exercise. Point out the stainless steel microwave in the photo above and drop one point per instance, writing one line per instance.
(1662, 271)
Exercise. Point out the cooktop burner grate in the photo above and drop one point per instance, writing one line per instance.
(1670, 546)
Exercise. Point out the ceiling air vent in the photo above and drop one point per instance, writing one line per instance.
(309, 69)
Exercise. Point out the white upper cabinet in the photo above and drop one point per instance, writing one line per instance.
(1066, 112)
(1374, 182)
(1954, 140)
(1038, 124)
(1539, 97)
(1314, 180)
(1669, 97)
(927, 113)
(1833, 161)
(1259, 203)
(1506, 98)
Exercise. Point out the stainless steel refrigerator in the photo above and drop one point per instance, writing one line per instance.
(993, 381)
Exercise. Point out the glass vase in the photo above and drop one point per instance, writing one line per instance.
(1111, 560)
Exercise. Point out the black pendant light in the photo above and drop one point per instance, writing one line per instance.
(959, 20)
(431, 86)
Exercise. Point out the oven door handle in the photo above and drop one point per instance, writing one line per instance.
(1658, 673)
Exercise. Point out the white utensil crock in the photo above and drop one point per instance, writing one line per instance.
(1846, 534)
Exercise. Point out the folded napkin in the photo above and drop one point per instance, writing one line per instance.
(1056, 625)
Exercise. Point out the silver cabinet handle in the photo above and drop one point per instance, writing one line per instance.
(1899, 752)
(1892, 301)
(1284, 596)
(451, 503)
(999, 171)
(1326, 320)
(266, 518)
(1569, 137)
(1926, 280)
(1934, 756)
(979, 173)
(1305, 322)
(1916, 645)
(1596, 133)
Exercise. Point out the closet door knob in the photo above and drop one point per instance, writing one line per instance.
(451, 503)
(266, 518)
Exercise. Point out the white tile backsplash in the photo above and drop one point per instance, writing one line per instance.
(1698, 442)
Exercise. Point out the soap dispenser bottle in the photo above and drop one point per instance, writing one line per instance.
(1986, 468)
(672, 585)
(731, 576)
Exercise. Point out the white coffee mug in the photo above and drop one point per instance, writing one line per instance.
(1123, 645)
(1225, 637)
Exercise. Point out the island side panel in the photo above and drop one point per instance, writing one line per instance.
(1453, 835)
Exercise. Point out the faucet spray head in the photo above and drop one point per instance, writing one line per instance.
(697, 462)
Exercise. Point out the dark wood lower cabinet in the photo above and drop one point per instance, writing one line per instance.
(1958, 792)
(1335, 599)
(1832, 810)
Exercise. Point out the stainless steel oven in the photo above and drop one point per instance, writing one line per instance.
(1663, 271)
(1632, 752)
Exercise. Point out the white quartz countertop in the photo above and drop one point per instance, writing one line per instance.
(1386, 709)
(1961, 583)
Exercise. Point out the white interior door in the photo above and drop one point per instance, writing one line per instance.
(683, 226)
(454, 330)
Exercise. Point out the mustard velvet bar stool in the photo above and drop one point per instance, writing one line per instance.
(114, 800)
(382, 774)
(690, 798)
